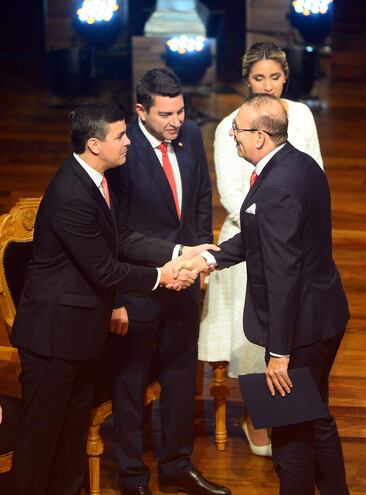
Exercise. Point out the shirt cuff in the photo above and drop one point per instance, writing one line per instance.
(210, 258)
(157, 280)
(279, 355)
(176, 251)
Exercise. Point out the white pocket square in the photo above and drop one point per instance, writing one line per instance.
(251, 209)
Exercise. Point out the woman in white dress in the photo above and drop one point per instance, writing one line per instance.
(265, 70)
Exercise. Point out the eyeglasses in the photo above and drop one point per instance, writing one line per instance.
(237, 129)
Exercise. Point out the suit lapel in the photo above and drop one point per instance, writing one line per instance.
(184, 160)
(113, 210)
(278, 157)
(252, 190)
(91, 188)
(147, 156)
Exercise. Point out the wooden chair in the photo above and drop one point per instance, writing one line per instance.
(11, 410)
(219, 389)
(16, 235)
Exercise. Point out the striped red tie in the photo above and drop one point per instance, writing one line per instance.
(167, 166)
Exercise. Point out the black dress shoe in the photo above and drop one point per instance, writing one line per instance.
(137, 490)
(192, 482)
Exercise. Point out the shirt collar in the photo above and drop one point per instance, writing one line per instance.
(263, 162)
(95, 176)
(152, 139)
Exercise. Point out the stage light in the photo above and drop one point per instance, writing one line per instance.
(76, 70)
(312, 18)
(97, 11)
(308, 7)
(185, 44)
(97, 21)
(189, 57)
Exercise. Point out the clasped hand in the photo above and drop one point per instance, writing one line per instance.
(182, 272)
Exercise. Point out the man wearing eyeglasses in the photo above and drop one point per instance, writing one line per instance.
(295, 305)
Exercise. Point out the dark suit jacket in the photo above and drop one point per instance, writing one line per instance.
(66, 303)
(294, 293)
(148, 205)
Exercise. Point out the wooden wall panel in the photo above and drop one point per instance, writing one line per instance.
(266, 19)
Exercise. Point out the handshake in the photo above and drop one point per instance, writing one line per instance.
(181, 272)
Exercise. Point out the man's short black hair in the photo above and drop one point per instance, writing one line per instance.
(157, 82)
(90, 120)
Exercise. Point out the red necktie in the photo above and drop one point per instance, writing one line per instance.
(167, 166)
(253, 178)
(106, 191)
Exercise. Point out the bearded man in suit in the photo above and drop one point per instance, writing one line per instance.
(65, 308)
(295, 305)
(165, 189)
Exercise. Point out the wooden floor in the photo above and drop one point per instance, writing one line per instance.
(34, 142)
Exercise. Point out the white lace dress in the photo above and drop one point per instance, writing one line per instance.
(221, 331)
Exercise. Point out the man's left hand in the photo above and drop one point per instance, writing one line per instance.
(277, 377)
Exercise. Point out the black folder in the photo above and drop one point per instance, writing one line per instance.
(302, 404)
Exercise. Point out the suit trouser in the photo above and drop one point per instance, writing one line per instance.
(51, 446)
(310, 453)
(171, 341)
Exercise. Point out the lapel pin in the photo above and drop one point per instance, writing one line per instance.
(180, 145)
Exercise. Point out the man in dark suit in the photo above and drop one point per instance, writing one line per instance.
(65, 308)
(295, 305)
(166, 192)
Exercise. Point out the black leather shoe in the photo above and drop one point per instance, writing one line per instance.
(138, 490)
(192, 482)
